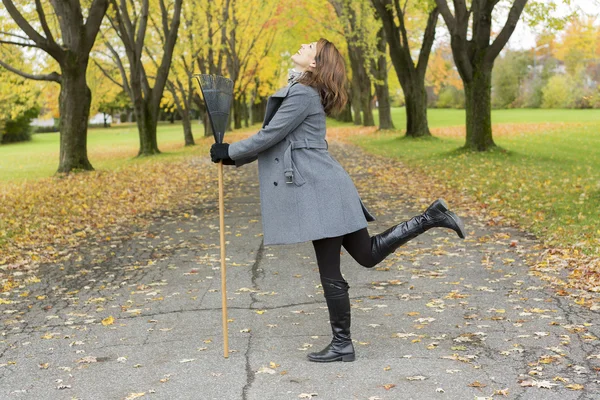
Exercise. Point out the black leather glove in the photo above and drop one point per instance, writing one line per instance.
(228, 161)
(220, 152)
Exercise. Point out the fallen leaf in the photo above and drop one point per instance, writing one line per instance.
(416, 378)
(477, 384)
(575, 386)
(307, 395)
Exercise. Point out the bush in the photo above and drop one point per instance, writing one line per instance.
(559, 92)
(18, 129)
(451, 97)
(46, 129)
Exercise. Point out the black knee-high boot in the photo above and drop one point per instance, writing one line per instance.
(436, 216)
(338, 304)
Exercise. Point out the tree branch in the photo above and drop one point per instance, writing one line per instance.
(511, 22)
(14, 35)
(157, 29)
(106, 74)
(94, 20)
(428, 39)
(45, 44)
(151, 57)
(163, 71)
(40, 12)
(121, 67)
(127, 30)
(141, 33)
(402, 26)
(53, 77)
(23, 24)
(164, 17)
(446, 14)
(20, 44)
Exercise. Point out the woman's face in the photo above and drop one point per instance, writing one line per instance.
(304, 59)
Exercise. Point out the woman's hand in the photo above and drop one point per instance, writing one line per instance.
(220, 152)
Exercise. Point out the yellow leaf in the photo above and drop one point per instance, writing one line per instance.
(135, 396)
(108, 321)
(477, 384)
(575, 386)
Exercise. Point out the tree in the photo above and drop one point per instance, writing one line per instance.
(249, 38)
(475, 58)
(71, 52)
(559, 93)
(17, 94)
(379, 72)
(579, 44)
(508, 79)
(441, 72)
(131, 23)
(411, 76)
(111, 104)
(355, 17)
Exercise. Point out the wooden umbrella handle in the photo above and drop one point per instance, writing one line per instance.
(223, 266)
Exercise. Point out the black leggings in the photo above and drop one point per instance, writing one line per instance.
(358, 244)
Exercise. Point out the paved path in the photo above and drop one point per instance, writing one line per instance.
(139, 316)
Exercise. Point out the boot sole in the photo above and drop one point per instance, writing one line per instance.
(344, 358)
(442, 206)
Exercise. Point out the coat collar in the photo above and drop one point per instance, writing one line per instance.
(283, 92)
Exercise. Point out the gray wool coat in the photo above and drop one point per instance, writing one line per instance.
(305, 194)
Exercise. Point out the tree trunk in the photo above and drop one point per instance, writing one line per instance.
(186, 120)
(385, 108)
(237, 113)
(365, 101)
(346, 114)
(147, 121)
(415, 97)
(356, 103)
(479, 108)
(74, 107)
(245, 113)
(381, 86)
(208, 131)
(361, 88)
(258, 111)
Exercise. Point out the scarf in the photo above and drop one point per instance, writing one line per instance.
(293, 75)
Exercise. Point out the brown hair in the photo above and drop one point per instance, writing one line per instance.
(328, 77)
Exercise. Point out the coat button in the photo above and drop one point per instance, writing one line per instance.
(277, 161)
(275, 183)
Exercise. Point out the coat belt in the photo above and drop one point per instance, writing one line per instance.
(290, 172)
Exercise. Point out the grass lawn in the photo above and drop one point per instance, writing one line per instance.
(449, 117)
(108, 148)
(547, 178)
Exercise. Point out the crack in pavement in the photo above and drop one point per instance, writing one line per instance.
(256, 273)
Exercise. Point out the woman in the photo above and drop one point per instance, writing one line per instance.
(307, 195)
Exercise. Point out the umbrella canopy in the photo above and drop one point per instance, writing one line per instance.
(218, 93)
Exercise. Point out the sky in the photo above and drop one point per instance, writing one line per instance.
(524, 36)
